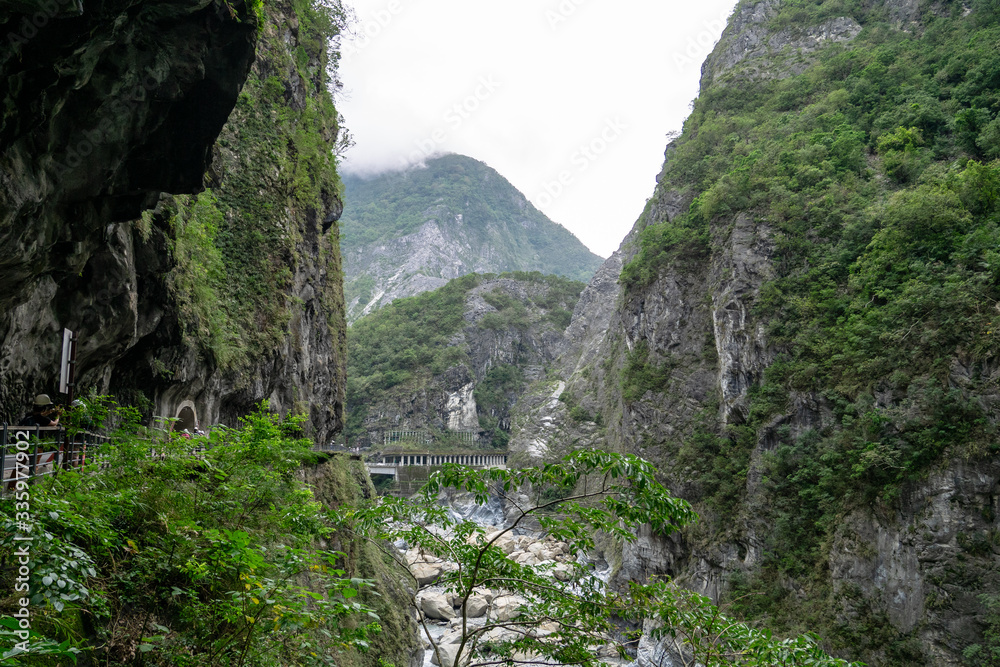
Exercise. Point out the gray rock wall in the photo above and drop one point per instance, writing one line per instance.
(115, 107)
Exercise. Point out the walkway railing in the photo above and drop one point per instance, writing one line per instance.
(30, 453)
(389, 463)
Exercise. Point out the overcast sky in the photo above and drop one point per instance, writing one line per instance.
(571, 100)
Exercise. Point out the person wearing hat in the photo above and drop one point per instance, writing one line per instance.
(42, 412)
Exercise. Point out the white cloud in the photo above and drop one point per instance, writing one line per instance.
(530, 87)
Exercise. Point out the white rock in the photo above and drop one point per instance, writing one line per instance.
(562, 572)
(476, 606)
(447, 653)
(452, 637)
(506, 545)
(551, 554)
(528, 559)
(426, 573)
(436, 605)
(506, 607)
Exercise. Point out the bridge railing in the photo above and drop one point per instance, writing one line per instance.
(30, 453)
(476, 459)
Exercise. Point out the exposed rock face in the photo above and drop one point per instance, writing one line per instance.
(749, 41)
(906, 563)
(739, 271)
(116, 106)
(461, 409)
(113, 107)
(415, 263)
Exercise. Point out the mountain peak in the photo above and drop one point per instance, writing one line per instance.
(407, 232)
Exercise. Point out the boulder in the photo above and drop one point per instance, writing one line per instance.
(448, 648)
(552, 553)
(476, 606)
(525, 558)
(499, 635)
(436, 605)
(451, 638)
(506, 607)
(448, 652)
(506, 545)
(417, 556)
(426, 573)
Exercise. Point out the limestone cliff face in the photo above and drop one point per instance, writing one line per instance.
(113, 107)
(106, 108)
(677, 365)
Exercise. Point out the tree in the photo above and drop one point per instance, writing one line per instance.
(562, 614)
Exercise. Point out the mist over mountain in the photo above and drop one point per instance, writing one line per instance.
(407, 232)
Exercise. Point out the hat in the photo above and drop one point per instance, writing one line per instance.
(42, 400)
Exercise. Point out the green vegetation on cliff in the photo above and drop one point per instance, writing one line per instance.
(397, 203)
(414, 342)
(238, 245)
(874, 173)
(485, 225)
(223, 557)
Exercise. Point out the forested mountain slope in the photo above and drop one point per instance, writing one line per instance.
(805, 336)
(455, 360)
(410, 231)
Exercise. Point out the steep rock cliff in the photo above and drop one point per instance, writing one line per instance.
(213, 302)
(803, 336)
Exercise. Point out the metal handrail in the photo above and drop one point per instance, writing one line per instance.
(48, 450)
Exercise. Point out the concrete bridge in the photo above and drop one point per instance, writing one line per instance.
(390, 463)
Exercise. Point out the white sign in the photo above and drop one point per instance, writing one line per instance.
(67, 346)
